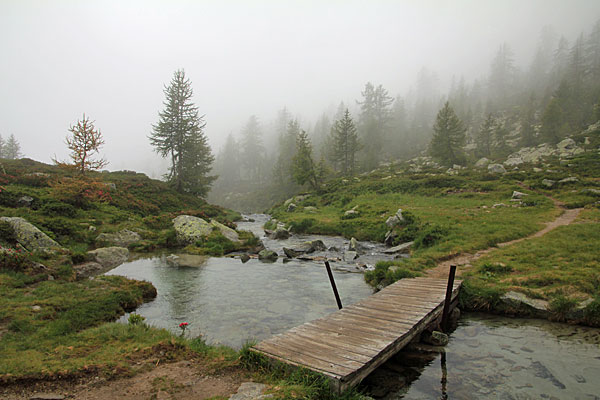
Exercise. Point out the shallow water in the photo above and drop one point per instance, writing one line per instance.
(498, 358)
(229, 302)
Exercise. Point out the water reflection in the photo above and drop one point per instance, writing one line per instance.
(500, 358)
(229, 302)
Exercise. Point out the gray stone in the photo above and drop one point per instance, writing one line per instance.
(548, 183)
(280, 234)
(25, 201)
(518, 195)
(47, 396)
(251, 391)
(513, 161)
(496, 169)
(351, 213)
(434, 338)
(186, 260)
(36, 308)
(291, 253)
(310, 209)
(85, 270)
(291, 207)
(110, 257)
(350, 255)
(245, 258)
(226, 231)
(482, 163)
(536, 169)
(121, 239)
(267, 255)
(401, 248)
(516, 300)
(571, 179)
(317, 245)
(353, 245)
(190, 229)
(31, 237)
(590, 191)
(566, 144)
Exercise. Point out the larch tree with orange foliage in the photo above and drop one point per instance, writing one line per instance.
(85, 140)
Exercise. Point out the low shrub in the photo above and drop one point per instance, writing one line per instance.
(429, 235)
(58, 208)
(560, 306)
(303, 226)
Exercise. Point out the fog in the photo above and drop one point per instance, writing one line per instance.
(111, 59)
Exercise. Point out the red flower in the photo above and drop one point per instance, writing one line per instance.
(183, 324)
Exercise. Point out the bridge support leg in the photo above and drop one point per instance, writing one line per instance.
(449, 288)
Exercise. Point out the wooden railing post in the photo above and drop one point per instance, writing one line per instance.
(335, 292)
(449, 288)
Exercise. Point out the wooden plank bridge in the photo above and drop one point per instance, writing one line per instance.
(349, 344)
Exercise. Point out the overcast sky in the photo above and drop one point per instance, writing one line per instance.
(110, 59)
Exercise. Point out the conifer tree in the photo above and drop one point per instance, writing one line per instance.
(252, 151)
(179, 135)
(303, 166)
(345, 143)
(485, 136)
(448, 137)
(85, 140)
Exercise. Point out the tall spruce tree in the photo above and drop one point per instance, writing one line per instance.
(252, 152)
(179, 135)
(304, 170)
(485, 136)
(448, 137)
(12, 148)
(345, 143)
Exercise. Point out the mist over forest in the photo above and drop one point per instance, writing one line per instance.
(264, 72)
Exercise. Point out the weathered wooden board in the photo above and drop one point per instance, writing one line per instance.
(349, 344)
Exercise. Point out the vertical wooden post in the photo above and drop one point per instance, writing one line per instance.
(335, 292)
(448, 298)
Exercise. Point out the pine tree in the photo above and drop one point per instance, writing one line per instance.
(303, 166)
(553, 121)
(345, 144)
(84, 141)
(502, 76)
(179, 135)
(375, 117)
(485, 136)
(252, 151)
(2, 144)
(448, 137)
(282, 170)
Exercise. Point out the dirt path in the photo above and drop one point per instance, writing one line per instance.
(463, 261)
(179, 380)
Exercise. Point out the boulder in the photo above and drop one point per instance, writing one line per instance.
(548, 183)
(280, 234)
(110, 257)
(350, 255)
(518, 195)
(591, 191)
(310, 209)
(291, 207)
(395, 219)
(571, 179)
(291, 253)
(244, 258)
(186, 260)
(401, 248)
(566, 144)
(351, 213)
(519, 301)
(121, 239)
(353, 245)
(226, 231)
(434, 338)
(482, 163)
(496, 169)
(267, 255)
(31, 237)
(513, 161)
(85, 270)
(317, 245)
(251, 391)
(25, 201)
(190, 229)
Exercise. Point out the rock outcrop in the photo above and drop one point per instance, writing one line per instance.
(190, 229)
(30, 237)
(122, 238)
(110, 257)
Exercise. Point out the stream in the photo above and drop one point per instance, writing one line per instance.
(229, 302)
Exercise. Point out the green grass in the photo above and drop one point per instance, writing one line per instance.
(562, 267)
